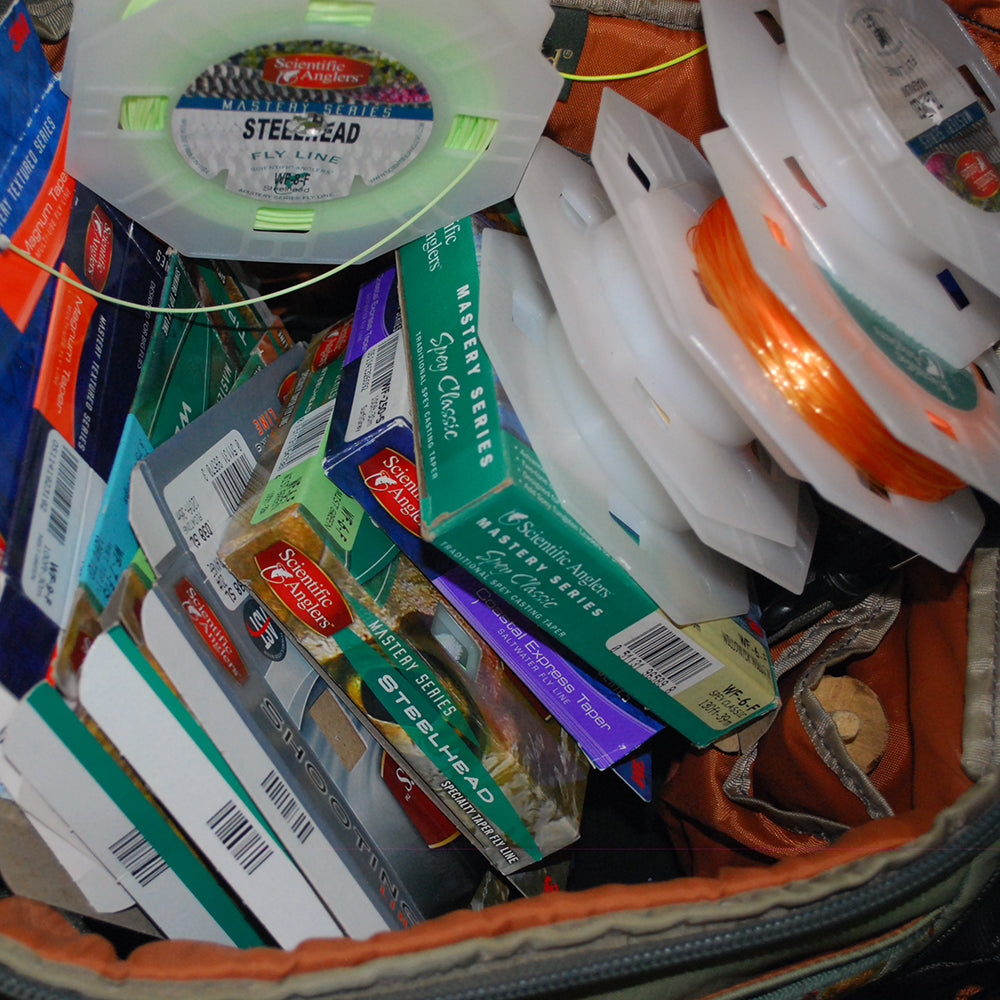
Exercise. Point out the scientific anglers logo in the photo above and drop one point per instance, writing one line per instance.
(433, 825)
(212, 631)
(316, 70)
(333, 344)
(287, 181)
(392, 480)
(303, 588)
(513, 518)
(99, 242)
(263, 631)
(979, 176)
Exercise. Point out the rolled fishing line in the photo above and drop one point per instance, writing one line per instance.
(951, 415)
(600, 478)
(801, 370)
(866, 207)
(661, 186)
(267, 131)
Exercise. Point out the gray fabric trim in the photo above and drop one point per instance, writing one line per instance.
(51, 18)
(875, 615)
(736, 789)
(863, 627)
(980, 752)
(683, 15)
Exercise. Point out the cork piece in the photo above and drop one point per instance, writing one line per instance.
(859, 717)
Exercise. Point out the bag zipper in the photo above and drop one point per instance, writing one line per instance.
(533, 977)
(850, 906)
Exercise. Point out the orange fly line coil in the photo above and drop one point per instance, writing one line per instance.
(801, 371)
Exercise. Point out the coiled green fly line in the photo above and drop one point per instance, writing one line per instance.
(468, 133)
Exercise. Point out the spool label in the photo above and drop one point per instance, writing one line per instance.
(955, 387)
(929, 103)
(297, 122)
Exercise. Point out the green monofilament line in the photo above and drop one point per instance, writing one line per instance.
(284, 220)
(318, 11)
(135, 6)
(339, 12)
(143, 114)
(471, 133)
(308, 282)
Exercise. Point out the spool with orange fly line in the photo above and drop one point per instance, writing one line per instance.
(660, 184)
(801, 370)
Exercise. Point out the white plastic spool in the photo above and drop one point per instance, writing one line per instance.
(600, 478)
(663, 190)
(870, 129)
(835, 187)
(477, 60)
(945, 413)
(736, 501)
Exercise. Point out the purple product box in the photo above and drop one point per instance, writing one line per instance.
(370, 456)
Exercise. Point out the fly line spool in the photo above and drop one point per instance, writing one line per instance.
(312, 130)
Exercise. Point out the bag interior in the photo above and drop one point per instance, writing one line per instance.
(787, 805)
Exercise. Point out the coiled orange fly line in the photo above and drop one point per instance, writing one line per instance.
(801, 370)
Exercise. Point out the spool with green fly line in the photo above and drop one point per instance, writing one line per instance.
(305, 131)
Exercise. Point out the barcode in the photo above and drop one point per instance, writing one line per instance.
(665, 658)
(62, 496)
(240, 838)
(305, 438)
(231, 480)
(138, 858)
(288, 806)
(383, 363)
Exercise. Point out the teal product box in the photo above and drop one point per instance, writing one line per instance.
(114, 815)
(370, 456)
(486, 502)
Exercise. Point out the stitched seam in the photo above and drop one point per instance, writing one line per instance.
(996, 651)
(979, 24)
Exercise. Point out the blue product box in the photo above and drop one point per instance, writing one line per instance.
(87, 378)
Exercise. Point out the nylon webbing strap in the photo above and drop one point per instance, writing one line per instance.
(683, 15)
(51, 18)
(979, 732)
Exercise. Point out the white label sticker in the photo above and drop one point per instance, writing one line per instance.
(382, 392)
(138, 857)
(292, 811)
(62, 521)
(296, 122)
(929, 103)
(912, 81)
(305, 438)
(203, 498)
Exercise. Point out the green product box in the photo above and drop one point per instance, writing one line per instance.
(487, 503)
(426, 685)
